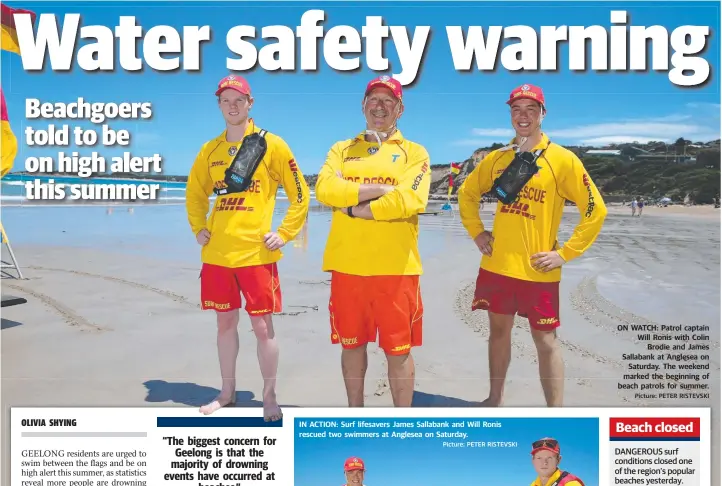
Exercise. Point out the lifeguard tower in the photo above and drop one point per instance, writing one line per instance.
(8, 300)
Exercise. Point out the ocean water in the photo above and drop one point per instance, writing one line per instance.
(13, 189)
(160, 229)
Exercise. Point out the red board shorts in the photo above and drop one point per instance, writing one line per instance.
(537, 301)
(221, 288)
(390, 305)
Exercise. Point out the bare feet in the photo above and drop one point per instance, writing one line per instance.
(271, 410)
(220, 402)
(272, 414)
(490, 402)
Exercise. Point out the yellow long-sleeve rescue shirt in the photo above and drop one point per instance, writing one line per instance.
(530, 225)
(553, 479)
(238, 222)
(388, 244)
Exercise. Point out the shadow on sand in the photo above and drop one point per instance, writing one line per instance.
(190, 394)
(422, 399)
(193, 395)
(7, 323)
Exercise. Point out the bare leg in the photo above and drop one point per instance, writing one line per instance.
(499, 356)
(267, 350)
(402, 374)
(227, 355)
(551, 366)
(354, 363)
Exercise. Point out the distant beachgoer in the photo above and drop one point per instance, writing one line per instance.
(372, 248)
(640, 206)
(521, 258)
(545, 458)
(240, 250)
(634, 207)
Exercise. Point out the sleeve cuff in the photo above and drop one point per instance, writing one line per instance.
(475, 231)
(565, 256)
(285, 235)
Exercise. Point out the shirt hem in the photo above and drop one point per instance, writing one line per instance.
(240, 264)
(516, 276)
(374, 274)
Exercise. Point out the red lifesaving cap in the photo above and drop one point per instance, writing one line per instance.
(546, 444)
(353, 464)
(529, 92)
(385, 82)
(234, 82)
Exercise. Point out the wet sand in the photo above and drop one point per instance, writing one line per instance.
(123, 328)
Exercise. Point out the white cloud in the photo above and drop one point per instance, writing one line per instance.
(659, 119)
(649, 129)
(700, 125)
(704, 106)
(617, 139)
(493, 132)
(477, 142)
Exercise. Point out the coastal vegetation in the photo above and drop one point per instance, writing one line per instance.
(681, 170)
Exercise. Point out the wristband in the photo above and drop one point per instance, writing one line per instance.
(349, 211)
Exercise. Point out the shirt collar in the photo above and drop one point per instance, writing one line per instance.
(250, 128)
(543, 144)
(554, 477)
(397, 137)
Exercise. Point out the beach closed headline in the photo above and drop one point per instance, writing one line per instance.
(619, 47)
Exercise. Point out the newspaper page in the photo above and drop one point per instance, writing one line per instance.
(143, 446)
(269, 240)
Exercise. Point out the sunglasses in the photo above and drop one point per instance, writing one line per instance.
(551, 443)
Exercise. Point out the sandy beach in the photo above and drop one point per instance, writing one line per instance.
(113, 318)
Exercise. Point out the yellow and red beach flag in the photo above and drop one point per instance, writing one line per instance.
(9, 40)
(9, 142)
(455, 169)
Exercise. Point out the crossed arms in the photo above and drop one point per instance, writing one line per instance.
(380, 202)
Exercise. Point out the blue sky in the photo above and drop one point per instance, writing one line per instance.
(451, 113)
(425, 462)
